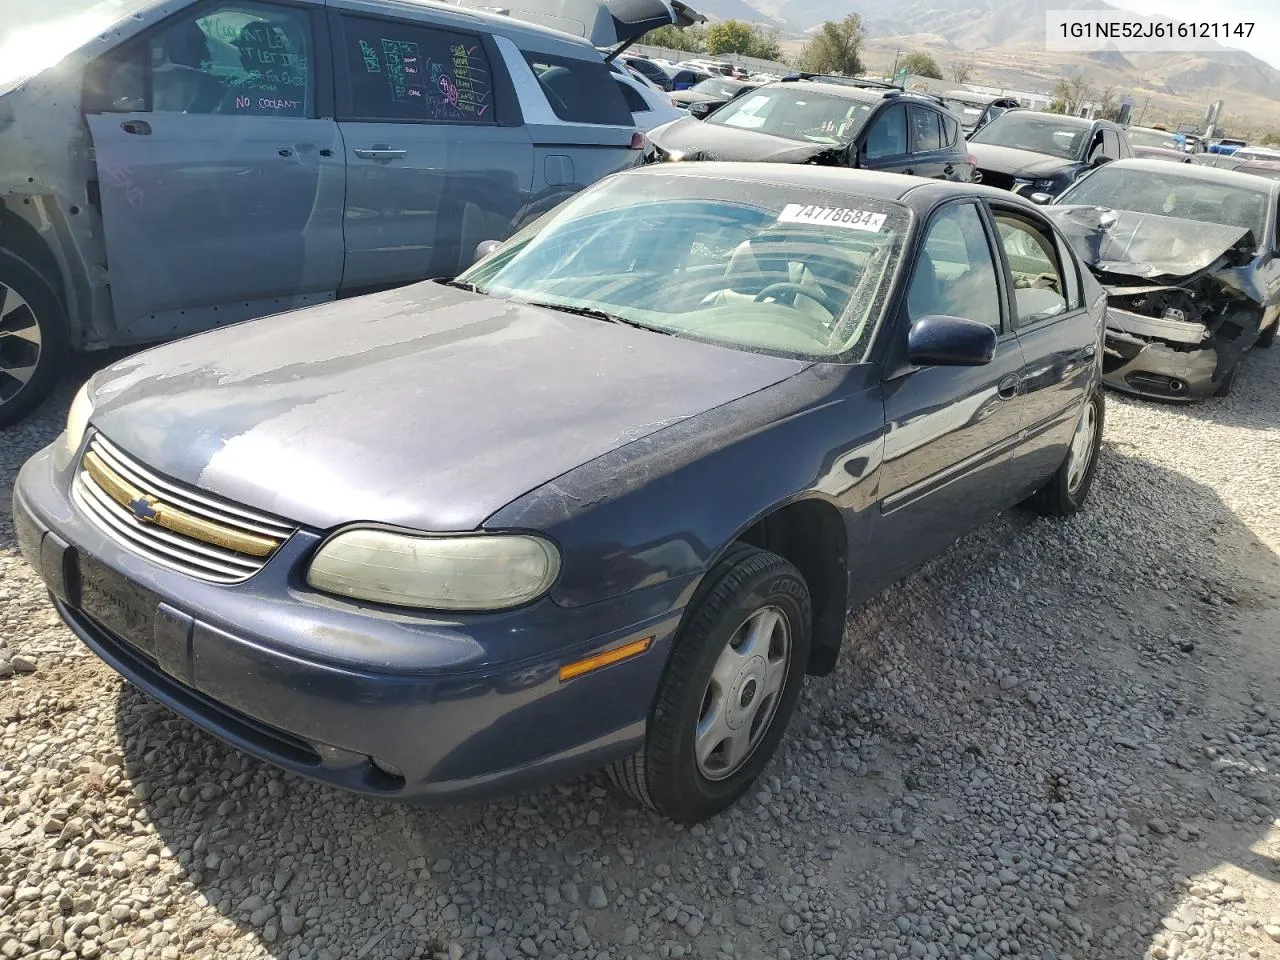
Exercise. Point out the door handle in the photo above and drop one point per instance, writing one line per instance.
(949, 169)
(1008, 387)
(139, 128)
(380, 152)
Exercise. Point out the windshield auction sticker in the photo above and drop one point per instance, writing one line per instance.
(832, 216)
(1101, 30)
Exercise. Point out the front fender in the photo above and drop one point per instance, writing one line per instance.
(668, 505)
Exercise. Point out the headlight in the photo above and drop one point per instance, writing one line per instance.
(465, 572)
(77, 421)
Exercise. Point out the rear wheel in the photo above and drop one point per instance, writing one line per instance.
(1067, 490)
(33, 339)
(728, 690)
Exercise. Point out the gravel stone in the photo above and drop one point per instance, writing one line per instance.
(1058, 739)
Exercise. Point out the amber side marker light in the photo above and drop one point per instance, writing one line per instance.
(625, 652)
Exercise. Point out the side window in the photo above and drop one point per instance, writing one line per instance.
(245, 59)
(1111, 144)
(413, 71)
(1039, 287)
(580, 91)
(950, 131)
(954, 273)
(1125, 151)
(926, 131)
(887, 136)
(635, 102)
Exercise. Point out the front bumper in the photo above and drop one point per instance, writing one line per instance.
(1149, 368)
(449, 709)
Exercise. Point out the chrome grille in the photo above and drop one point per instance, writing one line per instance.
(215, 519)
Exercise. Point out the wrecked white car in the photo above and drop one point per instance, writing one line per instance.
(1188, 258)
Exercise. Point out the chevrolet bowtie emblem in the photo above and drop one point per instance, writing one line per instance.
(144, 509)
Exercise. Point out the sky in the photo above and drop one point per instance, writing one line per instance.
(1265, 42)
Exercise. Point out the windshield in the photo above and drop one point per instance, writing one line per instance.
(787, 271)
(969, 113)
(1037, 132)
(34, 36)
(1187, 198)
(796, 113)
(1151, 138)
(718, 88)
(1271, 171)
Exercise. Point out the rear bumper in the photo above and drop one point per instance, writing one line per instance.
(470, 718)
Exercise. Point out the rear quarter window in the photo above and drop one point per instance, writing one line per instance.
(635, 102)
(580, 91)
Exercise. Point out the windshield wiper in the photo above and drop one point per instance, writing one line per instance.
(591, 312)
(461, 285)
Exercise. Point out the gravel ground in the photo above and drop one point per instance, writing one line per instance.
(1058, 740)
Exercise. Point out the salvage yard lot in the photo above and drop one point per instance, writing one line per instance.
(1059, 739)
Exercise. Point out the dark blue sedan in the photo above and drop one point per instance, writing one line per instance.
(604, 500)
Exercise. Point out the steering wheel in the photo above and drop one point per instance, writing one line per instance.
(828, 302)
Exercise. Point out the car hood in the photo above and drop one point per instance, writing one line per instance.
(1017, 163)
(1129, 244)
(426, 407)
(692, 96)
(699, 140)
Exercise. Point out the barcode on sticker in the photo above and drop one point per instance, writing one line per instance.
(835, 216)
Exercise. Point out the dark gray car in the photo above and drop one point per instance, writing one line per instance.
(1041, 154)
(1188, 257)
(190, 164)
(605, 499)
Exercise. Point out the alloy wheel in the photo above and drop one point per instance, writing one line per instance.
(20, 343)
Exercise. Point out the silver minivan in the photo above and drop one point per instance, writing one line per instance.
(167, 166)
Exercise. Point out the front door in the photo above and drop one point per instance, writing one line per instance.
(220, 178)
(950, 431)
(435, 164)
(886, 144)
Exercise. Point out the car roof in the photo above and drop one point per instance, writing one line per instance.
(1192, 171)
(1063, 118)
(496, 23)
(917, 191)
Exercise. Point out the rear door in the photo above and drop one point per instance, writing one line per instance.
(1059, 340)
(437, 159)
(928, 158)
(219, 166)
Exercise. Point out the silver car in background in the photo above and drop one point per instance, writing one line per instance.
(167, 166)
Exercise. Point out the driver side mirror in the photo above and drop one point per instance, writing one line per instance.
(1099, 160)
(942, 341)
(1040, 198)
(703, 109)
(485, 248)
(856, 155)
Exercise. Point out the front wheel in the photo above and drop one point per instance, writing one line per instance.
(728, 690)
(33, 339)
(1067, 490)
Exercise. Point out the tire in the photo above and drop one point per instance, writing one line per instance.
(1268, 336)
(33, 339)
(746, 589)
(1067, 490)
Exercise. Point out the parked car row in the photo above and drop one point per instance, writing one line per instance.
(190, 165)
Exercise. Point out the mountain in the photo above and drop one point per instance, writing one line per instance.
(1004, 42)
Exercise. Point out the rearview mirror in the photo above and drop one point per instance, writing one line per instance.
(484, 248)
(943, 341)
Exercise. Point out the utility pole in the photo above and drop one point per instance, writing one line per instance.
(1143, 113)
(894, 72)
